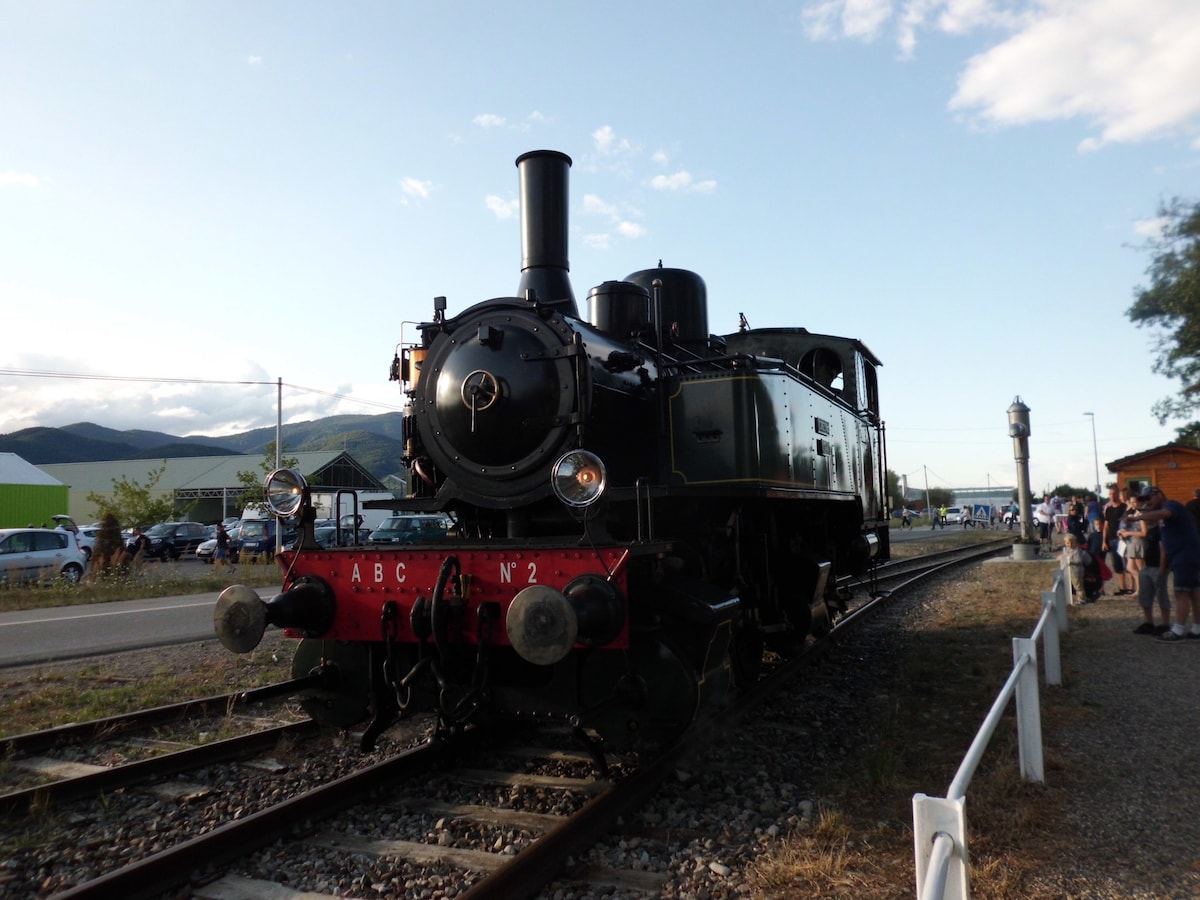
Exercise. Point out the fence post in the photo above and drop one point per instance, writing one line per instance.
(1029, 714)
(1061, 589)
(1050, 639)
(934, 815)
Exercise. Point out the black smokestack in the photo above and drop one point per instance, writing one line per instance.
(544, 263)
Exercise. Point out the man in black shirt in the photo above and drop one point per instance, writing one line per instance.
(1114, 512)
(1193, 506)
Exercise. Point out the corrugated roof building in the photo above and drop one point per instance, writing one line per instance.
(209, 484)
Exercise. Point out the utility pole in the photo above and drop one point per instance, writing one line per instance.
(1095, 451)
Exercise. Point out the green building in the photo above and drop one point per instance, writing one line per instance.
(28, 496)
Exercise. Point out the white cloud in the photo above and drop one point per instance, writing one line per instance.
(682, 181)
(415, 188)
(254, 60)
(488, 120)
(1151, 228)
(1127, 68)
(593, 205)
(19, 180)
(67, 391)
(608, 144)
(619, 223)
(503, 209)
(853, 18)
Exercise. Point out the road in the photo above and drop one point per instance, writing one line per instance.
(71, 632)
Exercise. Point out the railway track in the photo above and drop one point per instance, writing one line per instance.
(384, 829)
(68, 762)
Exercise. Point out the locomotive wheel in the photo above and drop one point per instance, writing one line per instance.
(648, 709)
(346, 703)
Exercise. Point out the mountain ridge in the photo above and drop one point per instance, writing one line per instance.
(375, 441)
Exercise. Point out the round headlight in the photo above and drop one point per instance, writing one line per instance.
(578, 478)
(285, 490)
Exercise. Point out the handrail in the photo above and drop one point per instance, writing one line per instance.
(939, 823)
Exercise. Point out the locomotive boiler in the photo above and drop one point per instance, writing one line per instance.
(641, 510)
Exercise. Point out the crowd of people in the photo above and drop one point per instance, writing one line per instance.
(1139, 539)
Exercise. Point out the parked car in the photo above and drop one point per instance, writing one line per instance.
(86, 543)
(324, 535)
(409, 530)
(86, 538)
(257, 537)
(27, 554)
(171, 540)
(348, 523)
(1012, 515)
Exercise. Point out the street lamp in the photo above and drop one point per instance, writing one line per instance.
(1095, 450)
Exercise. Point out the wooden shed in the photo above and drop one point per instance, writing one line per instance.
(1173, 467)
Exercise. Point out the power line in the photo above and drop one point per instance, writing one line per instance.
(37, 373)
(146, 379)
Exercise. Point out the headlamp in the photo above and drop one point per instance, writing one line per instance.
(285, 490)
(578, 478)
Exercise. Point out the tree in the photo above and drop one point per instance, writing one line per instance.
(1171, 305)
(1069, 490)
(1189, 435)
(134, 504)
(895, 498)
(110, 546)
(253, 493)
(939, 497)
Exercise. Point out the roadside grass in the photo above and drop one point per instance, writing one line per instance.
(946, 681)
(61, 695)
(155, 579)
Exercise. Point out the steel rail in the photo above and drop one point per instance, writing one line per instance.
(37, 741)
(142, 771)
(172, 868)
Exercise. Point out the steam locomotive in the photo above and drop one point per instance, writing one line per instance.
(641, 510)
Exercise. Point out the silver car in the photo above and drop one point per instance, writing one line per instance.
(29, 554)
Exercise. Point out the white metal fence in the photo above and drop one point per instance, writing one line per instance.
(939, 823)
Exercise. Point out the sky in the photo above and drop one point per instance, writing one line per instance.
(201, 200)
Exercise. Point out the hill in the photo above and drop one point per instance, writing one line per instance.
(375, 441)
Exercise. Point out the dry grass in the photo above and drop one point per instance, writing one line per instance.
(948, 677)
(154, 579)
(37, 697)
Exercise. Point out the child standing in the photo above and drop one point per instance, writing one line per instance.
(1073, 561)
